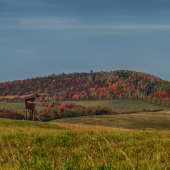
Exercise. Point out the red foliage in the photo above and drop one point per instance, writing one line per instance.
(5, 84)
(132, 85)
(39, 98)
(33, 95)
(80, 93)
(155, 94)
(48, 109)
(62, 108)
(92, 89)
(116, 91)
(101, 89)
(66, 105)
(77, 106)
(163, 100)
(118, 83)
(111, 89)
(46, 90)
(117, 111)
(46, 104)
(164, 94)
(75, 96)
(102, 95)
(65, 92)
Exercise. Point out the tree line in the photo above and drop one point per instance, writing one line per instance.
(120, 84)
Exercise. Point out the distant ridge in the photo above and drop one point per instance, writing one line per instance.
(120, 84)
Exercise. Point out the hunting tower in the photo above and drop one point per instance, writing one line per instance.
(29, 108)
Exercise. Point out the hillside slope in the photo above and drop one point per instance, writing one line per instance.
(121, 84)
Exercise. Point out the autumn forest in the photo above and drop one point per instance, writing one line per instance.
(120, 84)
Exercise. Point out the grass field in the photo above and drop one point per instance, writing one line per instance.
(36, 145)
(142, 121)
(120, 104)
(16, 106)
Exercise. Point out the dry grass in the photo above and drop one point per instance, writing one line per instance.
(139, 121)
(82, 127)
(120, 104)
(22, 96)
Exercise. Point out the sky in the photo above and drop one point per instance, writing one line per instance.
(44, 37)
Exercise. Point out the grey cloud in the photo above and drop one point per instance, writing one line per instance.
(21, 51)
(55, 22)
(29, 23)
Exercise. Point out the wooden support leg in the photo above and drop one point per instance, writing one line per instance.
(25, 115)
(33, 115)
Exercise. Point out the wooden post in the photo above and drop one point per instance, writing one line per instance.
(33, 114)
(25, 114)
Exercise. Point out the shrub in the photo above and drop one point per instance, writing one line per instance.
(11, 114)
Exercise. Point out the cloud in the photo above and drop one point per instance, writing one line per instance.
(21, 51)
(41, 23)
(51, 23)
(145, 27)
(29, 23)
(55, 22)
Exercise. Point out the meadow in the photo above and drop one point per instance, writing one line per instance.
(123, 141)
(17, 106)
(37, 145)
(139, 121)
(119, 104)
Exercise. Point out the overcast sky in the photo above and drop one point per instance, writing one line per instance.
(42, 37)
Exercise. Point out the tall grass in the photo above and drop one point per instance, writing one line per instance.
(34, 147)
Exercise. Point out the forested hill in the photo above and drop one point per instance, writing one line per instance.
(89, 86)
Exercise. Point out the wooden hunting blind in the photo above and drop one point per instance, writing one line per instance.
(29, 108)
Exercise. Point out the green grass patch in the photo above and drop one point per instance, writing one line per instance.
(30, 147)
(143, 120)
(17, 106)
(18, 123)
(119, 104)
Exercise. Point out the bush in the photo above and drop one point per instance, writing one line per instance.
(11, 114)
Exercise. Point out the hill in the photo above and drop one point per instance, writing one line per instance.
(120, 84)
